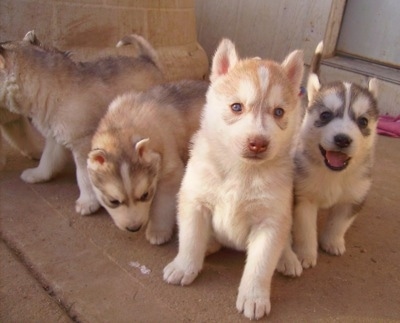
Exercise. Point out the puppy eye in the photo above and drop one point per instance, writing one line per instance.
(236, 107)
(279, 112)
(326, 116)
(144, 197)
(362, 122)
(115, 203)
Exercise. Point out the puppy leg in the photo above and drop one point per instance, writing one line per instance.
(3, 158)
(87, 202)
(339, 220)
(305, 239)
(265, 246)
(21, 135)
(163, 208)
(53, 160)
(289, 264)
(194, 229)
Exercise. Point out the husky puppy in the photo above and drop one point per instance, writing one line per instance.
(20, 134)
(333, 166)
(237, 189)
(139, 153)
(66, 100)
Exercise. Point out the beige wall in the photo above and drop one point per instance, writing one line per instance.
(86, 24)
(265, 28)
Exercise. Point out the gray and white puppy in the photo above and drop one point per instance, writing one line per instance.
(67, 99)
(333, 166)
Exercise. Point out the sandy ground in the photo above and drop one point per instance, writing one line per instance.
(58, 266)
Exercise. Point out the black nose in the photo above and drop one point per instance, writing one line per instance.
(342, 140)
(134, 228)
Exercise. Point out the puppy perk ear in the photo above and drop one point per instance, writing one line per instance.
(30, 37)
(293, 65)
(97, 158)
(144, 152)
(313, 87)
(373, 87)
(225, 58)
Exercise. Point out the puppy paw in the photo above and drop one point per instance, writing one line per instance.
(86, 206)
(289, 265)
(307, 258)
(34, 175)
(334, 246)
(178, 274)
(157, 237)
(253, 306)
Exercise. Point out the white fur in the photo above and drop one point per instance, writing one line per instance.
(241, 203)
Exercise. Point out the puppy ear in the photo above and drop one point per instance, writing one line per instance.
(293, 65)
(225, 58)
(373, 87)
(97, 158)
(144, 152)
(30, 37)
(313, 86)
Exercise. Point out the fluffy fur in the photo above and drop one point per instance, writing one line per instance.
(66, 100)
(333, 166)
(139, 153)
(237, 189)
(20, 134)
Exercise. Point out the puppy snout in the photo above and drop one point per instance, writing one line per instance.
(342, 140)
(257, 144)
(134, 228)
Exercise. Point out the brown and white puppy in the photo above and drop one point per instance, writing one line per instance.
(139, 153)
(237, 189)
(333, 166)
(66, 100)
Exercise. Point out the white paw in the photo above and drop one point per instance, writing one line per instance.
(334, 246)
(307, 258)
(34, 175)
(253, 306)
(158, 237)
(178, 274)
(289, 265)
(86, 206)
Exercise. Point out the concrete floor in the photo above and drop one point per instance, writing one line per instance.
(58, 266)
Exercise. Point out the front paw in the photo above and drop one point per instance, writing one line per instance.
(34, 175)
(86, 206)
(253, 306)
(289, 265)
(307, 258)
(157, 237)
(333, 245)
(178, 273)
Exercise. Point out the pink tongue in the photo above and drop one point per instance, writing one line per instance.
(336, 158)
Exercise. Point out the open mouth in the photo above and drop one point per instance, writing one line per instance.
(335, 160)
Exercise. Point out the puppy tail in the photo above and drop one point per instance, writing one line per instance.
(142, 46)
(316, 60)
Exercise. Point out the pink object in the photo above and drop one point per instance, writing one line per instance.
(389, 126)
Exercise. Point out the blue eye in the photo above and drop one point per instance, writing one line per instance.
(279, 112)
(236, 107)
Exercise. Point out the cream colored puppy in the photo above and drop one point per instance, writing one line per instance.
(237, 189)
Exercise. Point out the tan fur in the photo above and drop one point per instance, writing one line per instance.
(237, 189)
(141, 147)
(66, 100)
(20, 134)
